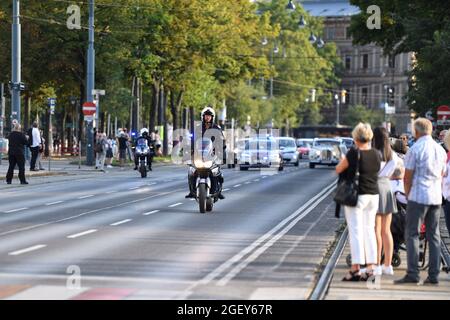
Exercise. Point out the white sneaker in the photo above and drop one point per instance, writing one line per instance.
(377, 271)
(109, 166)
(389, 271)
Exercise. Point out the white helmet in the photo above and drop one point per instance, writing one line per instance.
(210, 111)
(144, 130)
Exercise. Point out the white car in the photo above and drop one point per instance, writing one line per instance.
(261, 153)
(289, 151)
(326, 151)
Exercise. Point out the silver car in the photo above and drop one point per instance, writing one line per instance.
(288, 150)
(261, 153)
(326, 151)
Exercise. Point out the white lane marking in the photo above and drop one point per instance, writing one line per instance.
(16, 210)
(88, 212)
(256, 180)
(175, 204)
(238, 185)
(264, 177)
(113, 191)
(230, 275)
(260, 240)
(149, 213)
(33, 248)
(84, 197)
(151, 184)
(120, 222)
(134, 188)
(52, 203)
(227, 189)
(73, 236)
(248, 182)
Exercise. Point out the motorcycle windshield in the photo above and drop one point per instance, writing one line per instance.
(142, 142)
(204, 150)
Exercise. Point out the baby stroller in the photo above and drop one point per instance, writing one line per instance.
(398, 234)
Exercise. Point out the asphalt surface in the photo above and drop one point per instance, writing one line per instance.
(133, 238)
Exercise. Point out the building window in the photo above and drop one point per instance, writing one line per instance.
(364, 94)
(365, 63)
(348, 62)
(391, 61)
(340, 33)
(348, 34)
(331, 33)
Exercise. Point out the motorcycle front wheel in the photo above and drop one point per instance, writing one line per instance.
(143, 171)
(202, 198)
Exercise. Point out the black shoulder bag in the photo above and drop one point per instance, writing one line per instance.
(347, 189)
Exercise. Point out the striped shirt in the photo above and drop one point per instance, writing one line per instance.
(427, 160)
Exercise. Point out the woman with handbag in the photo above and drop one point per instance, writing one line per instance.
(361, 164)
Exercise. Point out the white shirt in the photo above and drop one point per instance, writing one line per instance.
(427, 160)
(446, 183)
(36, 137)
(387, 169)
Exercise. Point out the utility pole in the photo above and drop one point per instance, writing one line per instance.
(336, 97)
(16, 84)
(90, 84)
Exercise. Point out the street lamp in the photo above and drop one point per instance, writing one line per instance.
(290, 6)
(312, 38)
(302, 22)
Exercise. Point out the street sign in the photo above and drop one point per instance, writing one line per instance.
(89, 108)
(443, 112)
(51, 104)
(429, 115)
(88, 118)
(390, 110)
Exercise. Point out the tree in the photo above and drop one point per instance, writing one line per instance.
(360, 113)
(418, 26)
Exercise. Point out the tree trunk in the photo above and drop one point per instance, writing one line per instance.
(155, 103)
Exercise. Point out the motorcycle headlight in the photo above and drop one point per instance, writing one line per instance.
(203, 164)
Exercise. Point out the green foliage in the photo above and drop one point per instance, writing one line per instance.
(360, 113)
(418, 26)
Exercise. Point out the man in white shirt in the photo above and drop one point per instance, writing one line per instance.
(35, 144)
(425, 165)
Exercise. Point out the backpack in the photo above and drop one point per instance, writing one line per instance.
(30, 136)
(98, 146)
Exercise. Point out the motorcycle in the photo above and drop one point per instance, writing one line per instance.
(142, 151)
(207, 171)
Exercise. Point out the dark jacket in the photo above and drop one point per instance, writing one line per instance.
(17, 143)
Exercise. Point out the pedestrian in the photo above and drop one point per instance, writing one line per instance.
(387, 203)
(35, 142)
(446, 186)
(361, 218)
(425, 165)
(122, 142)
(16, 146)
(41, 152)
(101, 146)
(109, 152)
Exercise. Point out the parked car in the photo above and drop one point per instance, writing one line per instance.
(326, 151)
(288, 149)
(303, 147)
(261, 153)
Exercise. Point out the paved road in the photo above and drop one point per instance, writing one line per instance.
(141, 239)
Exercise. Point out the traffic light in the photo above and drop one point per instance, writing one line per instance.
(343, 96)
(391, 96)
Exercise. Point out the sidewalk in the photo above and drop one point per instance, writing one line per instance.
(383, 287)
(60, 166)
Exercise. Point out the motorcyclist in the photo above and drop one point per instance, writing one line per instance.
(207, 117)
(152, 144)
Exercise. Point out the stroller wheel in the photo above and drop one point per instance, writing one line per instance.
(348, 260)
(396, 260)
